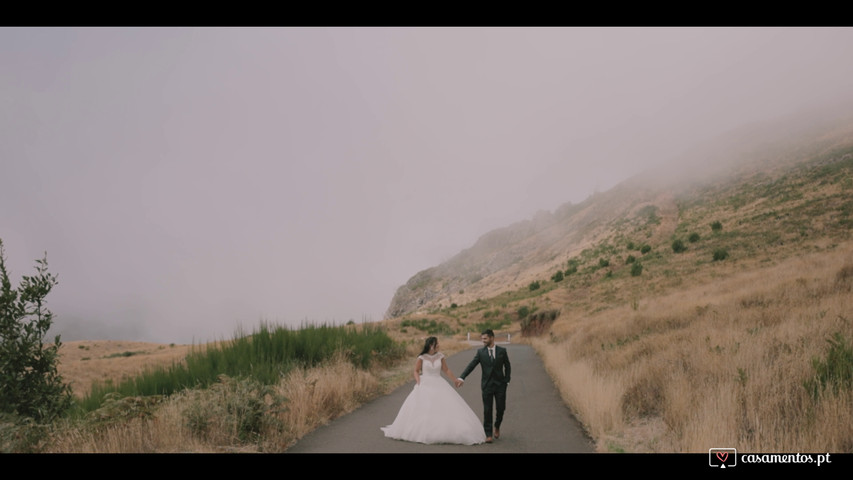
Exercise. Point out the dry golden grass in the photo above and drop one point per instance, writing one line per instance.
(84, 362)
(716, 363)
(314, 397)
(320, 395)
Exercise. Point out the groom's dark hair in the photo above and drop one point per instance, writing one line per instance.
(488, 332)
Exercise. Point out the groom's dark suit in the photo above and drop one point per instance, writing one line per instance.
(496, 375)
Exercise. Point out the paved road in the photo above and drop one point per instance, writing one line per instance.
(536, 421)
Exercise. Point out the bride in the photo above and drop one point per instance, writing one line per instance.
(434, 412)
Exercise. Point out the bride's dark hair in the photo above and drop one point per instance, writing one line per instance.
(428, 344)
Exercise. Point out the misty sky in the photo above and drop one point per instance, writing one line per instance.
(186, 180)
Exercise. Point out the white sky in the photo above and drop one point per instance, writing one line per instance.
(185, 180)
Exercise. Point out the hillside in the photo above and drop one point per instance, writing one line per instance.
(781, 184)
(701, 304)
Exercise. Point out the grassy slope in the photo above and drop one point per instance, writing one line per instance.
(694, 352)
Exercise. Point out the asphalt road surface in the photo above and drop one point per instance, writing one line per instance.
(535, 421)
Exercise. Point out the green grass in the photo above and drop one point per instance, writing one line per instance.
(431, 327)
(833, 372)
(266, 355)
(492, 324)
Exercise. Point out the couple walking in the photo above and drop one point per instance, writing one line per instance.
(435, 413)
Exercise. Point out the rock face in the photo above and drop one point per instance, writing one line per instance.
(516, 255)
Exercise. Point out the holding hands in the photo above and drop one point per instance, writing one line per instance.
(458, 382)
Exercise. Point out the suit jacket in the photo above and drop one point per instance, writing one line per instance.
(496, 374)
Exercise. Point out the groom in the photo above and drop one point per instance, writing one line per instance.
(496, 372)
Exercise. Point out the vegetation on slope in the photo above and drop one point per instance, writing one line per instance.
(257, 392)
(740, 336)
(266, 355)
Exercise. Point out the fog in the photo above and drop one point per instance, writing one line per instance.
(184, 181)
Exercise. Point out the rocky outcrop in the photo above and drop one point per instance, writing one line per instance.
(513, 256)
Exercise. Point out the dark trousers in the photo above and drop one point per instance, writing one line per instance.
(493, 397)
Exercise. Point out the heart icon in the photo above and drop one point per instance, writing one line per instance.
(723, 456)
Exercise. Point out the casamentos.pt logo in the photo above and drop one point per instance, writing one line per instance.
(722, 457)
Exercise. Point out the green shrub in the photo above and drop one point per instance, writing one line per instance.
(124, 354)
(233, 410)
(492, 324)
(693, 238)
(645, 249)
(432, 327)
(557, 277)
(603, 262)
(678, 246)
(636, 270)
(630, 260)
(835, 370)
(539, 323)
(716, 226)
(21, 434)
(534, 285)
(30, 384)
(572, 266)
(523, 311)
(116, 408)
(720, 254)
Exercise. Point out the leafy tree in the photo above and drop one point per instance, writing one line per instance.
(557, 277)
(30, 385)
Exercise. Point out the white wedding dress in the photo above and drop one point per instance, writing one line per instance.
(434, 412)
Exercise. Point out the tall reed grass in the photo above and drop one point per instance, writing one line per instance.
(234, 415)
(266, 355)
